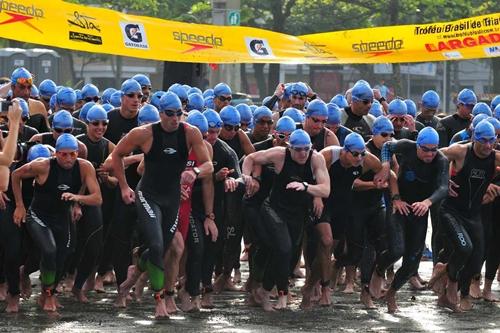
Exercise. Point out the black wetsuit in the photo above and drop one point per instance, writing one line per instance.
(449, 126)
(357, 124)
(341, 133)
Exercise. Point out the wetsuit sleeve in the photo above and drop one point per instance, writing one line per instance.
(443, 135)
(234, 163)
(395, 147)
(442, 178)
(270, 103)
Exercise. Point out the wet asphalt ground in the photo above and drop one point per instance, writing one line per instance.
(418, 313)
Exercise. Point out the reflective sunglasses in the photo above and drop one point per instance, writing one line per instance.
(487, 140)
(296, 93)
(213, 124)
(301, 149)
(132, 95)
(224, 98)
(385, 135)
(428, 150)
(265, 122)
(357, 153)
(171, 113)
(97, 122)
(25, 81)
(63, 130)
(230, 128)
(92, 99)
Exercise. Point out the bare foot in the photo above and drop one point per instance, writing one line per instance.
(265, 301)
(79, 295)
(224, 283)
(282, 302)
(237, 276)
(452, 296)
(366, 298)
(390, 276)
(133, 275)
(390, 298)
(475, 288)
(185, 299)
(50, 303)
(3, 291)
(326, 296)
(316, 295)
(488, 296)
(466, 303)
(349, 288)
(207, 300)
(421, 280)
(121, 301)
(376, 285)
(140, 285)
(307, 292)
(298, 273)
(99, 284)
(335, 276)
(195, 304)
(161, 309)
(255, 295)
(69, 281)
(89, 283)
(415, 284)
(12, 304)
(109, 278)
(25, 283)
(170, 304)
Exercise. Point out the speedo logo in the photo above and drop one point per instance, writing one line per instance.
(378, 48)
(197, 42)
(20, 13)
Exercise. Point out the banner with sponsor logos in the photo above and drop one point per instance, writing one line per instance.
(76, 27)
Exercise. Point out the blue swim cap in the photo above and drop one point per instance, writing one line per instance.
(155, 98)
(484, 131)
(334, 114)
(108, 107)
(194, 90)
(130, 86)
(66, 96)
(89, 90)
(397, 108)
(179, 91)
(38, 150)
(430, 99)
(376, 109)
(495, 122)
(261, 112)
(300, 138)
(296, 115)
(427, 136)
(494, 102)
(362, 91)
(97, 112)
(62, 119)
(285, 124)
(354, 142)
(481, 108)
(53, 102)
(230, 116)
(267, 99)
(25, 110)
(20, 73)
(47, 88)
(197, 119)
(208, 92)
(116, 99)
(142, 79)
(209, 102)
(298, 88)
(382, 125)
(253, 108)
(246, 113)
(213, 118)
(34, 93)
(361, 81)
(222, 89)
(317, 108)
(288, 91)
(170, 101)
(340, 100)
(411, 107)
(148, 114)
(78, 93)
(497, 112)
(66, 141)
(186, 87)
(84, 110)
(195, 102)
(477, 119)
(467, 97)
(106, 95)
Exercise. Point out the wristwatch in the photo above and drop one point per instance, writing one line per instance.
(210, 216)
(196, 171)
(257, 178)
(381, 99)
(396, 197)
(306, 186)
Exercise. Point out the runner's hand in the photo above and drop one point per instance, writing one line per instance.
(19, 215)
(409, 122)
(452, 188)
(296, 186)
(223, 173)
(280, 90)
(318, 207)
(211, 229)
(3, 201)
(184, 192)
(421, 208)
(128, 196)
(188, 177)
(67, 196)
(230, 184)
(400, 206)
(15, 112)
(76, 213)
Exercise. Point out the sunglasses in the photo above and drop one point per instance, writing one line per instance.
(213, 124)
(72, 154)
(316, 120)
(25, 81)
(265, 122)
(282, 136)
(357, 153)
(487, 140)
(224, 98)
(230, 128)
(92, 99)
(385, 135)
(428, 150)
(296, 93)
(132, 95)
(172, 113)
(301, 149)
(97, 122)
(63, 130)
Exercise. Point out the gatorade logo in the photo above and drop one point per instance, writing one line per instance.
(134, 35)
(258, 48)
(15, 12)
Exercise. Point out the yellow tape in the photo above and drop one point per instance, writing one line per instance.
(76, 27)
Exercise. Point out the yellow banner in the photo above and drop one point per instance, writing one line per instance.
(76, 27)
